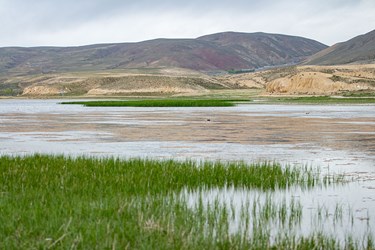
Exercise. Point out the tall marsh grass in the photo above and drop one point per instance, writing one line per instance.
(91, 203)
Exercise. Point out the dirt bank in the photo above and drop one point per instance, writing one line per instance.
(172, 81)
(309, 80)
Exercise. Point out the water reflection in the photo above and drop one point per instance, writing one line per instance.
(293, 212)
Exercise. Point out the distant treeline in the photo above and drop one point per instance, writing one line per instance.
(240, 71)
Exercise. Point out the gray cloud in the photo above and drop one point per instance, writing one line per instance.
(76, 22)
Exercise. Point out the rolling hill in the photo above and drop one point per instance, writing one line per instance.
(222, 51)
(358, 50)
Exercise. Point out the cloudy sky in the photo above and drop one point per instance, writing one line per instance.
(79, 22)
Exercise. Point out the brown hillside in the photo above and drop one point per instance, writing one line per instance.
(214, 52)
(309, 80)
(360, 49)
(131, 82)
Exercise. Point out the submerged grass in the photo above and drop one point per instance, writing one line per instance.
(91, 203)
(158, 103)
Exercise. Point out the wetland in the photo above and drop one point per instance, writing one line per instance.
(249, 176)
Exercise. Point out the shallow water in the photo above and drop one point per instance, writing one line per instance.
(336, 138)
(323, 210)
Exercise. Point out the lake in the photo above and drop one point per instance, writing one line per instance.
(335, 138)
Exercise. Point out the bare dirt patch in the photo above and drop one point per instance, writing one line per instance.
(309, 80)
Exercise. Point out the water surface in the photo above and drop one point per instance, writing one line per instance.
(335, 138)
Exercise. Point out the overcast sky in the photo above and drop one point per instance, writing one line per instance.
(79, 22)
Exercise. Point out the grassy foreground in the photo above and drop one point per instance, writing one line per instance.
(157, 103)
(89, 203)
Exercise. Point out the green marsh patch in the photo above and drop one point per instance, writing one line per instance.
(92, 203)
(157, 103)
(326, 100)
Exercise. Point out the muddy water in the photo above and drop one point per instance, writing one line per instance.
(342, 137)
(336, 138)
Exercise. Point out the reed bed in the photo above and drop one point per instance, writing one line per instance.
(101, 203)
(158, 103)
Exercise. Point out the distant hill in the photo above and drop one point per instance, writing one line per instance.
(223, 51)
(262, 49)
(360, 49)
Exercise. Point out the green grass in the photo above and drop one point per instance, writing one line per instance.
(360, 94)
(89, 203)
(157, 103)
(142, 177)
(325, 100)
(9, 89)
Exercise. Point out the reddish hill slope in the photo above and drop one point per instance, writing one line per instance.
(221, 51)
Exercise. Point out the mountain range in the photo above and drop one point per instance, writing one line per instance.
(359, 50)
(175, 66)
(222, 51)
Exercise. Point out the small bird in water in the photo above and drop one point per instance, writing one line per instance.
(208, 120)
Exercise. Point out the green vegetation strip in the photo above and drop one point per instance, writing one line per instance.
(360, 94)
(157, 103)
(90, 203)
(327, 100)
